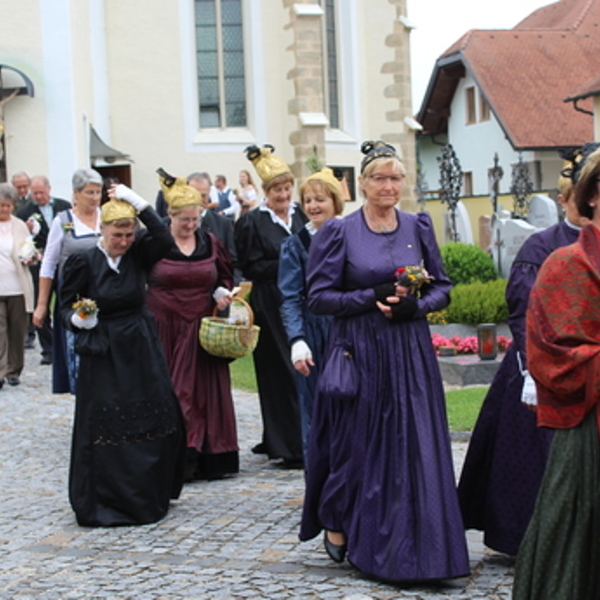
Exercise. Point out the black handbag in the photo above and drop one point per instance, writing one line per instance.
(91, 342)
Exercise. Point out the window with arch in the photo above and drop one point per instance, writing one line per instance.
(220, 63)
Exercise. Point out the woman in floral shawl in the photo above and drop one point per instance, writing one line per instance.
(560, 554)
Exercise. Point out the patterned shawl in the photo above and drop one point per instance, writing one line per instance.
(563, 333)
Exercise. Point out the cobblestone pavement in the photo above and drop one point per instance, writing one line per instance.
(234, 538)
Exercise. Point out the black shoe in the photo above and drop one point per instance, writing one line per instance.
(292, 463)
(1, 383)
(260, 448)
(29, 344)
(335, 552)
(45, 361)
(13, 380)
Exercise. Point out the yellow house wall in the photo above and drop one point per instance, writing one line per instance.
(477, 207)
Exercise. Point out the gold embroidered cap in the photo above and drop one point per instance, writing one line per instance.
(114, 209)
(176, 190)
(266, 164)
(328, 178)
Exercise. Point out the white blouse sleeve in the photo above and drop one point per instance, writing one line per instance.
(52, 252)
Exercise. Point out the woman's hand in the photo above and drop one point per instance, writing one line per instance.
(223, 302)
(398, 308)
(122, 192)
(302, 358)
(223, 297)
(401, 291)
(39, 315)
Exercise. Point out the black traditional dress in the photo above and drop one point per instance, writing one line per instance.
(180, 294)
(258, 238)
(128, 443)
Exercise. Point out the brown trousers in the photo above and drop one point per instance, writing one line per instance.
(13, 325)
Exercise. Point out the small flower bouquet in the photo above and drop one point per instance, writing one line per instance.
(29, 254)
(85, 308)
(412, 277)
(70, 226)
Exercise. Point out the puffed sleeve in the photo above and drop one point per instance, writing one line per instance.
(75, 285)
(292, 285)
(223, 264)
(435, 295)
(325, 279)
(254, 261)
(153, 243)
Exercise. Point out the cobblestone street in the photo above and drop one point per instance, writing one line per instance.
(234, 538)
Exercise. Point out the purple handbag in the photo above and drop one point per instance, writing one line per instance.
(339, 378)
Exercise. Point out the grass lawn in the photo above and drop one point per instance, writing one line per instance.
(462, 405)
(242, 374)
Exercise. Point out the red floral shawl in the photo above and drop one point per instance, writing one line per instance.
(563, 333)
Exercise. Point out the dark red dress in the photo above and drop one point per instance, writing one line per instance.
(180, 290)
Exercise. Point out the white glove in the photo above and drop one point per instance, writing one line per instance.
(221, 292)
(300, 351)
(35, 226)
(529, 394)
(124, 193)
(87, 323)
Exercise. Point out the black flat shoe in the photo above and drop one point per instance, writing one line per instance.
(260, 448)
(13, 380)
(335, 552)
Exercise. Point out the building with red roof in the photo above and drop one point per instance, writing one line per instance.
(526, 91)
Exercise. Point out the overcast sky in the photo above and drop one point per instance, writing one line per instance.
(440, 23)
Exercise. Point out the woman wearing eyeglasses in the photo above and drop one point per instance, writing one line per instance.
(380, 477)
(183, 288)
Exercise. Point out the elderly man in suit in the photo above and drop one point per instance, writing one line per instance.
(22, 182)
(38, 215)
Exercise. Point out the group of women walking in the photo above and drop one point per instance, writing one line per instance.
(348, 380)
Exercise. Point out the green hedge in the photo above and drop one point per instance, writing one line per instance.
(478, 302)
(467, 263)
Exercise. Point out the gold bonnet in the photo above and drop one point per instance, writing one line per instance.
(328, 178)
(177, 192)
(266, 164)
(115, 209)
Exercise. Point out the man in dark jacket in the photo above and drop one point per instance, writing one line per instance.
(221, 227)
(38, 215)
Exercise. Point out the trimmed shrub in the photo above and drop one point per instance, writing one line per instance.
(478, 302)
(467, 263)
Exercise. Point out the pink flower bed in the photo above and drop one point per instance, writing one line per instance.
(467, 345)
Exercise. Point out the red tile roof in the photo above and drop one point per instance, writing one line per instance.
(526, 74)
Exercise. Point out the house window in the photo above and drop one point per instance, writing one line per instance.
(471, 108)
(220, 63)
(485, 113)
(467, 184)
(331, 65)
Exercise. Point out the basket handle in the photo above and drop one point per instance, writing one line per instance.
(241, 301)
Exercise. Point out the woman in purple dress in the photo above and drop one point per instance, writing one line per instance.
(508, 452)
(380, 478)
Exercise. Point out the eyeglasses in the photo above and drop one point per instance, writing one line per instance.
(188, 220)
(380, 180)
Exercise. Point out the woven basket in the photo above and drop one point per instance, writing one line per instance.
(223, 339)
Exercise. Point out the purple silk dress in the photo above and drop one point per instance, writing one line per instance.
(380, 466)
(507, 454)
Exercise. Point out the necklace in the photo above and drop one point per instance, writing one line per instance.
(186, 247)
(385, 226)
